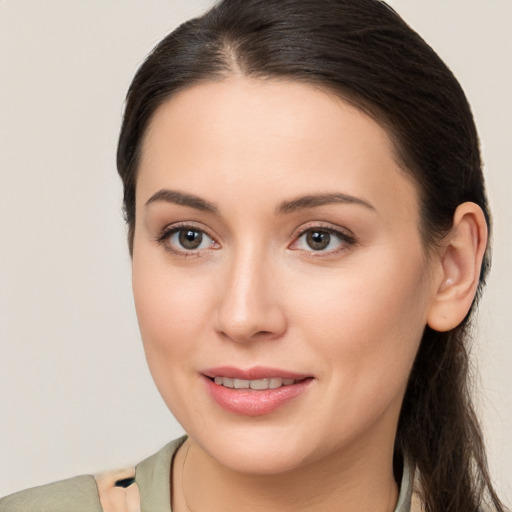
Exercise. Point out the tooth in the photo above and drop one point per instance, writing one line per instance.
(227, 382)
(241, 384)
(259, 384)
(275, 382)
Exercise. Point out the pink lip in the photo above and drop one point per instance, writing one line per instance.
(249, 402)
(254, 373)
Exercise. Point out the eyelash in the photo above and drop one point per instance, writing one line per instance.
(347, 239)
(163, 239)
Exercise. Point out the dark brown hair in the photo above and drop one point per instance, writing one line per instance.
(364, 52)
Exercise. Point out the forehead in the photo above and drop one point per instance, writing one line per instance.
(261, 138)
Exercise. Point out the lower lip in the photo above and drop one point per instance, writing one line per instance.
(249, 402)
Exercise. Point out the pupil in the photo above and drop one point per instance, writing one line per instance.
(318, 240)
(190, 239)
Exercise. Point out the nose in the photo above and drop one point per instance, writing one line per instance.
(249, 307)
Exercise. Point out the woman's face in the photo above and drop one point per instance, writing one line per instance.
(277, 241)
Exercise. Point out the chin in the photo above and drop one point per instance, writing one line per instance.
(257, 451)
(256, 461)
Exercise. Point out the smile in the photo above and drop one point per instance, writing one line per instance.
(257, 385)
(254, 391)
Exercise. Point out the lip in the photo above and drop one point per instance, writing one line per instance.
(248, 402)
(253, 373)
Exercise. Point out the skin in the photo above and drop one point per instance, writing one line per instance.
(351, 316)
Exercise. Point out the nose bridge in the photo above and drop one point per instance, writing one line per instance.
(249, 304)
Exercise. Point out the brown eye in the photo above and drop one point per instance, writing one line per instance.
(324, 241)
(318, 240)
(190, 238)
(187, 239)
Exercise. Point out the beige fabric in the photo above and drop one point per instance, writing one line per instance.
(416, 505)
(150, 493)
(118, 499)
(406, 486)
(78, 494)
(153, 477)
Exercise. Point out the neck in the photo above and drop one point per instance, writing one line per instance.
(357, 479)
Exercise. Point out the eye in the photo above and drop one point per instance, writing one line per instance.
(320, 239)
(183, 239)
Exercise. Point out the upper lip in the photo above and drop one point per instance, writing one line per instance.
(254, 373)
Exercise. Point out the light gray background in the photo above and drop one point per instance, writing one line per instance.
(75, 394)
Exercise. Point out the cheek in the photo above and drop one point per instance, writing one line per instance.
(367, 324)
(172, 310)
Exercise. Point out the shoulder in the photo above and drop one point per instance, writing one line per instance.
(79, 494)
(153, 476)
(114, 490)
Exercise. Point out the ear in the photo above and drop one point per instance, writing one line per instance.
(460, 261)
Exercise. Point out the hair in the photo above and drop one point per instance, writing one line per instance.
(364, 52)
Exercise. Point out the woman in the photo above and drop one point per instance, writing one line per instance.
(308, 226)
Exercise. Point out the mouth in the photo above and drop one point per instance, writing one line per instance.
(256, 391)
(256, 384)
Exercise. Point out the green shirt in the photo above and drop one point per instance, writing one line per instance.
(152, 476)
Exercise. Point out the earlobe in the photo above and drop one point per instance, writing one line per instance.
(461, 260)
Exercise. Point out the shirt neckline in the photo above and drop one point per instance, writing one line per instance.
(153, 476)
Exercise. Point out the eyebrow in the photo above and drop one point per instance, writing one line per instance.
(286, 207)
(183, 199)
(312, 201)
